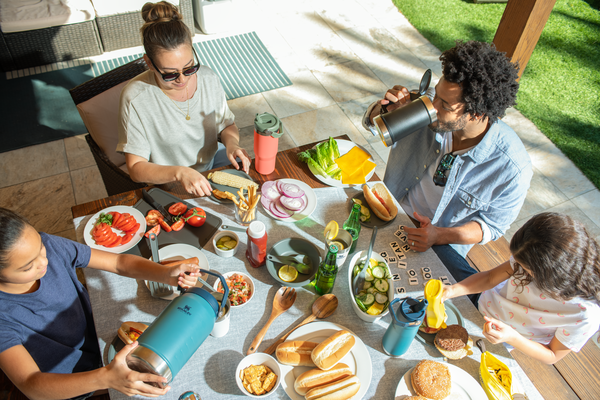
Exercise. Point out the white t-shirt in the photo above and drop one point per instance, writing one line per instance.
(154, 127)
(425, 196)
(539, 317)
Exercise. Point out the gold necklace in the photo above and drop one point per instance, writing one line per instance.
(187, 116)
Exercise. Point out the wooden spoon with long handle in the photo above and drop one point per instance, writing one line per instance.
(284, 298)
(323, 307)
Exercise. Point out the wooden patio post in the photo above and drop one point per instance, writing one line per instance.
(520, 28)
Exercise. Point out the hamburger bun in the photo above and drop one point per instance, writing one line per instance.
(381, 201)
(329, 352)
(417, 397)
(453, 342)
(338, 390)
(431, 380)
(296, 353)
(317, 377)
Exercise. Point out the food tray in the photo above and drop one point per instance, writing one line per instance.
(196, 237)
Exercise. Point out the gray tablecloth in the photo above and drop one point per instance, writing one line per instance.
(211, 370)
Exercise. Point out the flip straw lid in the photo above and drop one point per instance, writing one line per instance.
(266, 124)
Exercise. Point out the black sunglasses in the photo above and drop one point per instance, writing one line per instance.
(440, 176)
(174, 75)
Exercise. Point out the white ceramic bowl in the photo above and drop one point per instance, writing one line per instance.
(226, 253)
(258, 359)
(246, 278)
(358, 258)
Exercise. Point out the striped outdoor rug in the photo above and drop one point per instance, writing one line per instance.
(243, 63)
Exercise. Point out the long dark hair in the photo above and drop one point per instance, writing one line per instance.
(163, 28)
(562, 257)
(12, 226)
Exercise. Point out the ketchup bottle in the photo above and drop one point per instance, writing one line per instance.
(257, 244)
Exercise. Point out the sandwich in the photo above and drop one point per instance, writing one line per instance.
(453, 342)
(431, 380)
(130, 331)
(381, 201)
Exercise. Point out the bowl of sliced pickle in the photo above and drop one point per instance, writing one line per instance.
(226, 243)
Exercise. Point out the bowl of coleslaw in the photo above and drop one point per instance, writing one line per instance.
(241, 288)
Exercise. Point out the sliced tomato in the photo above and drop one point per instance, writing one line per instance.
(177, 226)
(116, 218)
(116, 243)
(155, 230)
(127, 238)
(153, 217)
(164, 225)
(127, 225)
(195, 216)
(108, 240)
(123, 218)
(134, 229)
(178, 208)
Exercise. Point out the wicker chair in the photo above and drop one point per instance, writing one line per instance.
(115, 179)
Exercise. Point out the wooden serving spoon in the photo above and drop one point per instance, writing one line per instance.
(323, 307)
(284, 298)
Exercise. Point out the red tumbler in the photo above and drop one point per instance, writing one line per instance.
(267, 131)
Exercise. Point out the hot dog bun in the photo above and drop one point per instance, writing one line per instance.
(317, 377)
(338, 390)
(381, 201)
(333, 349)
(129, 335)
(296, 352)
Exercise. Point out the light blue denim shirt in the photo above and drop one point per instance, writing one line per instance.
(487, 184)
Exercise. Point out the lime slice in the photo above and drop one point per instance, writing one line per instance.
(331, 230)
(287, 273)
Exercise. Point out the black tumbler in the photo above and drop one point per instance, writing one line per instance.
(395, 125)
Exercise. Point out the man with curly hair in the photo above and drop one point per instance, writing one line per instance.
(464, 178)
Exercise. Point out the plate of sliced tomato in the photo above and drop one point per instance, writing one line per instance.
(115, 229)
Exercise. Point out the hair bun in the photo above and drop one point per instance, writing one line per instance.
(160, 12)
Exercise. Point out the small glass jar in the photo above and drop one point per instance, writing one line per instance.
(244, 215)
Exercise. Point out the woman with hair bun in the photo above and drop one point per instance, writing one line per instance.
(174, 119)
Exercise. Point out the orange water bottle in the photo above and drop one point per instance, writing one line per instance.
(267, 131)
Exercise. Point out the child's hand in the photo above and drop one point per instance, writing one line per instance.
(447, 291)
(184, 275)
(497, 331)
(129, 382)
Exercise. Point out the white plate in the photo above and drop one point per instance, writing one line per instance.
(464, 386)
(344, 146)
(139, 217)
(357, 359)
(182, 251)
(311, 202)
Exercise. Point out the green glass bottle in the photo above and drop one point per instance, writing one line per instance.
(327, 272)
(352, 225)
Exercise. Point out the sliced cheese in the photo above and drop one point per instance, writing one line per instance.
(367, 167)
(352, 161)
(356, 179)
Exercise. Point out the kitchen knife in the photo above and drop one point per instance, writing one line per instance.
(148, 199)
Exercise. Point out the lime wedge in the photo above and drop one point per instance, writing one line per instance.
(287, 273)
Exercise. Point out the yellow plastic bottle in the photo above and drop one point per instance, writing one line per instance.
(436, 312)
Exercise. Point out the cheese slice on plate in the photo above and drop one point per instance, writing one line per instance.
(360, 176)
(352, 161)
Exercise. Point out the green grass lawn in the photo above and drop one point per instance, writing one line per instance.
(560, 88)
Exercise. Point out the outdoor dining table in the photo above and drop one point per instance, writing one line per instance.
(211, 370)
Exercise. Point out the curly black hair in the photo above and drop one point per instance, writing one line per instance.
(487, 77)
(561, 255)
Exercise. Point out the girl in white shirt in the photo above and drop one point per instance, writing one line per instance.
(544, 300)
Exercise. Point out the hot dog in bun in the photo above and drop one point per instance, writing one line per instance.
(338, 390)
(130, 331)
(381, 201)
(317, 377)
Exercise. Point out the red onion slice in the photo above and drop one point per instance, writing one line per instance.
(265, 202)
(277, 205)
(270, 191)
(279, 185)
(290, 190)
(275, 211)
(293, 204)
